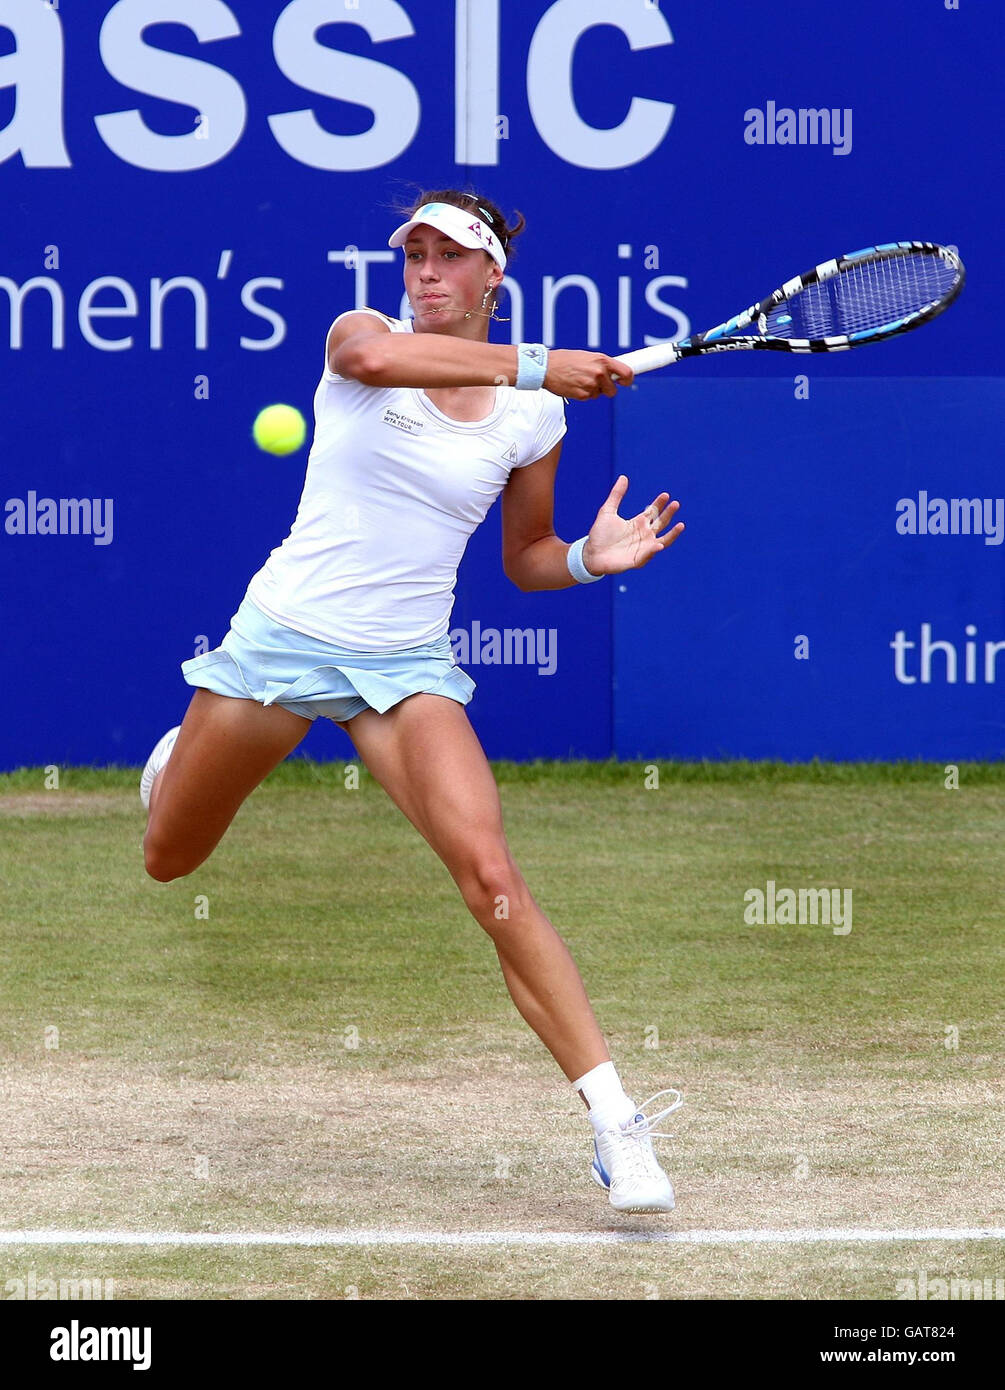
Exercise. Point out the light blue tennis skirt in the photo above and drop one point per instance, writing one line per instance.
(260, 659)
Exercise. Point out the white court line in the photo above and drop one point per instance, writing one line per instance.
(319, 1239)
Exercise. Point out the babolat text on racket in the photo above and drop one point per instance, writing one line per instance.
(856, 299)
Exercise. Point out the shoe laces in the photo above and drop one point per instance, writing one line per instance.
(643, 1126)
(634, 1139)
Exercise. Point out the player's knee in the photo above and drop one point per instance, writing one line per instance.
(161, 864)
(493, 888)
(160, 868)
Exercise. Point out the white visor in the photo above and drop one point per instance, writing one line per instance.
(462, 227)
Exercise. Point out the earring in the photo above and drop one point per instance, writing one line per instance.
(495, 310)
(485, 300)
(484, 310)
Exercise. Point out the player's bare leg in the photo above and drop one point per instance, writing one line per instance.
(225, 748)
(426, 755)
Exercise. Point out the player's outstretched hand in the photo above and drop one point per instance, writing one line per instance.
(615, 544)
(583, 376)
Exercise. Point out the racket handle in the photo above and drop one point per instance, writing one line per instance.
(650, 358)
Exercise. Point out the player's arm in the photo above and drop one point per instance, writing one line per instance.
(533, 556)
(363, 348)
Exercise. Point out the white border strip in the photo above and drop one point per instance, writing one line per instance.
(476, 82)
(316, 1239)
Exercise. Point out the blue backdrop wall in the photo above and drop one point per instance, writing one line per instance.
(192, 190)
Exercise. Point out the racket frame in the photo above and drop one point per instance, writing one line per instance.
(725, 336)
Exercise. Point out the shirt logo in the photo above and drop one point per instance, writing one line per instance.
(511, 454)
(403, 422)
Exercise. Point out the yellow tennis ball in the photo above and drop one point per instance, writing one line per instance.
(280, 429)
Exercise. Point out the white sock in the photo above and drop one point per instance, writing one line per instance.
(605, 1096)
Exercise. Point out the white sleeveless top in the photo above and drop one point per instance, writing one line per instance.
(393, 490)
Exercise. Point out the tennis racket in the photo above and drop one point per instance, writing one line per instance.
(862, 298)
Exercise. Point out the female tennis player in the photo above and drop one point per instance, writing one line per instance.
(419, 425)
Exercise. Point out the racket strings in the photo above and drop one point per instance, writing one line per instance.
(863, 298)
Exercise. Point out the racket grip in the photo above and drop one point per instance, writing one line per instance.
(650, 358)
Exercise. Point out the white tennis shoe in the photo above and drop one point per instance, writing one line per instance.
(626, 1166)
(155, 762)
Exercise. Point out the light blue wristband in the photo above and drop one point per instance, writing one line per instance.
(574, 559)
(532, 366)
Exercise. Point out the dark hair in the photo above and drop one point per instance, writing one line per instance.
(484, 207)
